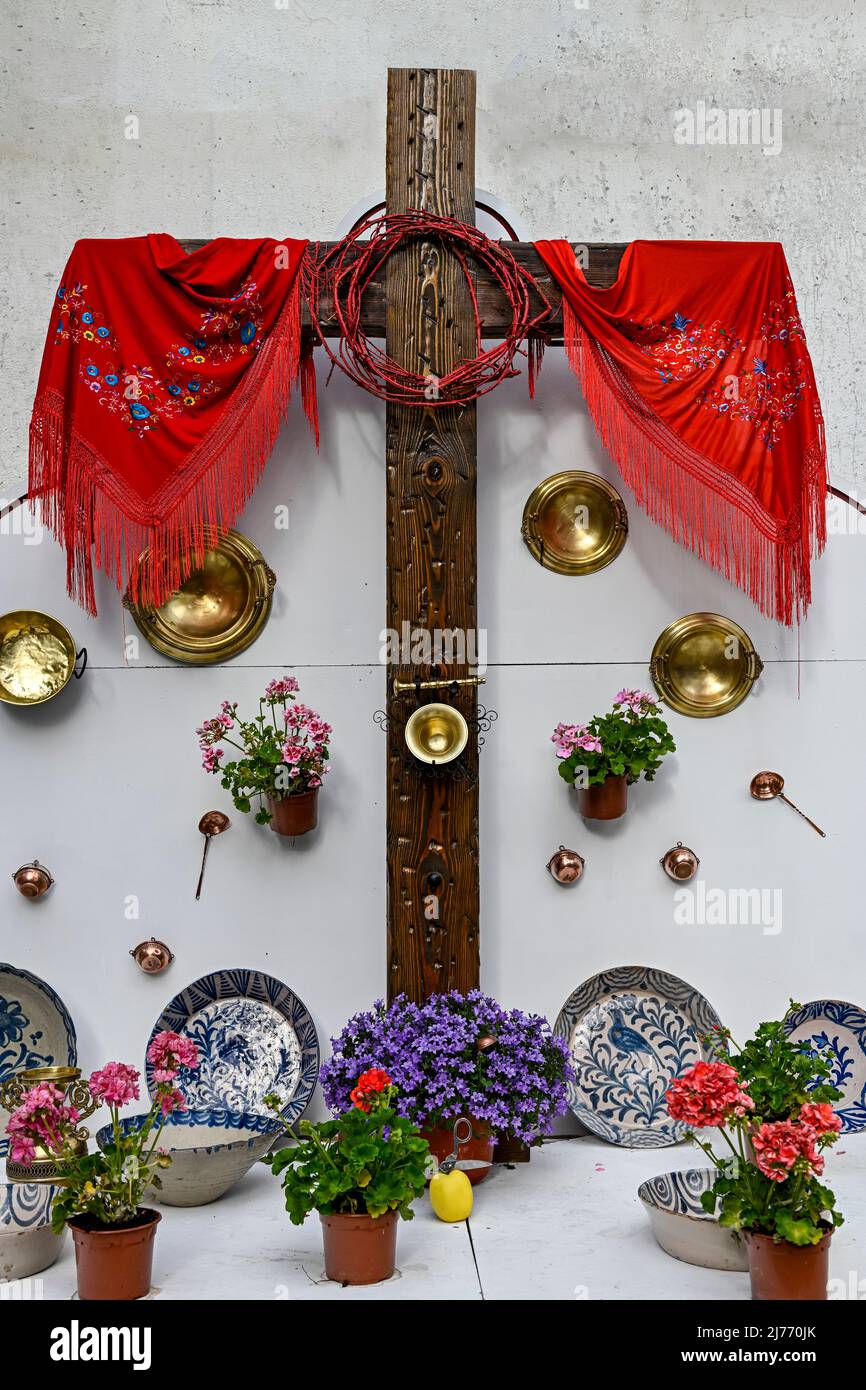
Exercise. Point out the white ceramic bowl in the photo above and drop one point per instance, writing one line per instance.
(27, 1242)
(210, 1151)
(672, 1201)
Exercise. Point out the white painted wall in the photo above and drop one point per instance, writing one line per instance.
(255, 119)
(103, 784)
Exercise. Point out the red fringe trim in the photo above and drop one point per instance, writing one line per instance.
(101, 522)
(702, 506)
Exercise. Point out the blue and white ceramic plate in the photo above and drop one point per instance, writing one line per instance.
(35, 1028)
(832, 1026)
(254, 1036)
(630, 1031)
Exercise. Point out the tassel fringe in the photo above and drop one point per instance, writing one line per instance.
(102, 523)
(700, 505)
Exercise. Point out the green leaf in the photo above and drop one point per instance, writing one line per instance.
(798, 1230)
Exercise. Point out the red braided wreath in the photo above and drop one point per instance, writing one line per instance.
(350, 266)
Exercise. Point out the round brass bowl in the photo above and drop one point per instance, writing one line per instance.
(704, 665)
(436, 733)
(575, 523)
(218, 611)
(37, 657)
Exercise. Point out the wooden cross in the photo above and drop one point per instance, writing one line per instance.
(422, 307)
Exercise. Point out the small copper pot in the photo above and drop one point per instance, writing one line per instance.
(566, 865)
(680, 863)
(32, 880)
(152, 956)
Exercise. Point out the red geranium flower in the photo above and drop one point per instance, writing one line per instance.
(778, 1145)
(707, 1095)
(821, 1117)
(369, 1083)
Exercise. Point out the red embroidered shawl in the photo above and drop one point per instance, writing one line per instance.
(163, 384)
(695, 370)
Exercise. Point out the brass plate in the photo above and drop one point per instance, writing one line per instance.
(575, 523)
(704, 664)
(218, 611)
(37, 657)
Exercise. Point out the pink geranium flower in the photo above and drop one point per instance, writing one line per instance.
(42, 1118)
(707, 1096)
(22, 1149)
(168, 1052)
(281, 688)
(172, 1100)
(115, 1084)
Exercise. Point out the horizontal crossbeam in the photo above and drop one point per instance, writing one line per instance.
(601, 267)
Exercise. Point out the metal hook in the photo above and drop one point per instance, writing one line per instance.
(460, 1137)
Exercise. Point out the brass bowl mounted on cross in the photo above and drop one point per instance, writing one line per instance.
(436, 733)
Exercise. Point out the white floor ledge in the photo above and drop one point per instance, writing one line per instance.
(566, 1226)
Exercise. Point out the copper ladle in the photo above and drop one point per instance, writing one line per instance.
(765, 786)
(212, 823)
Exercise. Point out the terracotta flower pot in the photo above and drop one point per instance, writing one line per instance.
(781, 1272)
(114, 1262)
(294, 815)
(510, 1150)
(359, 1249)
(608, 801)
(479, 1148)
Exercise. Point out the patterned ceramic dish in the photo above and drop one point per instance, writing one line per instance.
(35, 1028)
(211, 1150)
(630, 1031)
(27, 1242)
(35, 1031)
(672, 1201)
(255, 1036)
(840, 1028)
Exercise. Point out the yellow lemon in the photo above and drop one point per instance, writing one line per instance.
(451, 1195)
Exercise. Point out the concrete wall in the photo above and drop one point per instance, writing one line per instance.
(267, 116)
(254, 119)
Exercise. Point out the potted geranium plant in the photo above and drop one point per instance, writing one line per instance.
(457, 1054)
(359, 1172)
(601, 758)
(768, 1188)
(284, 757)
(101, 1194)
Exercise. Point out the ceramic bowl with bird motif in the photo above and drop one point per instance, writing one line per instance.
(629, 1032)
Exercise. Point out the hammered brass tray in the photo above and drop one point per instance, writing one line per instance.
(704, 665)
(575, 523)
(219, 610)
(37, 657)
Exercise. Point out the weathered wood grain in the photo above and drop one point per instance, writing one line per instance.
(602, 269)
(432, 840)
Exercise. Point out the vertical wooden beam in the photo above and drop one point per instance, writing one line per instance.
(431, 535)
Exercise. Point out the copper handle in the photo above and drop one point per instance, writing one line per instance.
(207, 840)
(788, 802)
